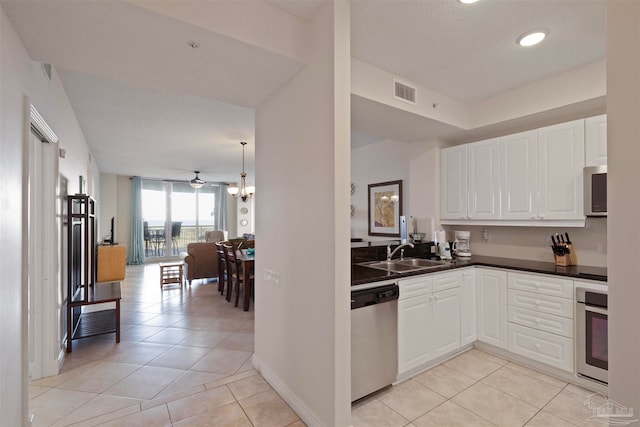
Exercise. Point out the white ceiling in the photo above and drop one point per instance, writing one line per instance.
(151, 106)
(469, 52)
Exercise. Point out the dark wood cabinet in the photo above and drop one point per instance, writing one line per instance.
(82, 290)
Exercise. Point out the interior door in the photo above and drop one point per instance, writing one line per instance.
(44, 303)
(34, 274)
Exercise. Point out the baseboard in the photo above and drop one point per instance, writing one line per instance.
(61, 357)
(298, 406)
(425, 367)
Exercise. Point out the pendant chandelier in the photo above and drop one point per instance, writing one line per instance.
(197, 182)
(243, 192)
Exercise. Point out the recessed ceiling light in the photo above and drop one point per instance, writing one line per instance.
(532, 38)
(467, 1)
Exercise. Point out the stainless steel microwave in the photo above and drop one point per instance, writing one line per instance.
(595, 191)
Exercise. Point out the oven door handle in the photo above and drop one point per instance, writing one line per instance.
(596, 309)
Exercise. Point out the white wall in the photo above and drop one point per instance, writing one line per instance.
(20, 78)
(249, 205)
(533, 243)
(376, 84)
(378, 162)
(123, 211)
(571, 87)
(623, 114)
(108, 209)
(302, 163)
(13, 364)
(581, 84)
(424, 192)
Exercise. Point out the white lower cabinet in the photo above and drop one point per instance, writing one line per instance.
(446, 321)
(492, 306)
(541, 319)
(468, 311)
(415, 336)
(428, 318)
(528, 314)
(541, 346)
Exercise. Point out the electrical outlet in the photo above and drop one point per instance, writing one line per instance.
(271, 276)
(485, 235)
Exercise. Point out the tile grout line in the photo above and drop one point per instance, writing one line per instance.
(466, 388)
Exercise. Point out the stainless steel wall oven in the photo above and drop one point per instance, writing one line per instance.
(592, 351)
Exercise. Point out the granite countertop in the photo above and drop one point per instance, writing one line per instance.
(361, 274)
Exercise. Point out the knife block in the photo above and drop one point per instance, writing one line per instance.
(568, 259)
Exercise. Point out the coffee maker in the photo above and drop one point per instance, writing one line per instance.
(461, 246)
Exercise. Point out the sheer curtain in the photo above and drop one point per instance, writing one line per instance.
(136, 241)
(221, 207)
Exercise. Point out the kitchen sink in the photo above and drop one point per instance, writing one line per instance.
(400, 266)
(419, 262)
(390, 265)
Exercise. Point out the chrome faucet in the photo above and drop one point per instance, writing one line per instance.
(390, 253)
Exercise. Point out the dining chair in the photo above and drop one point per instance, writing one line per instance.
(147, 237)
(238, 242)
(235, 275)
(158, 242)
(223, 276)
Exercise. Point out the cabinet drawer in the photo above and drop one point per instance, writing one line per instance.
(542, 347)
(545, 285)
(414, 287)
(541, 321)
(541, 303)
(446, 281)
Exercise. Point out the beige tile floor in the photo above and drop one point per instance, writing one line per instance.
(477, 389)
(184, 359)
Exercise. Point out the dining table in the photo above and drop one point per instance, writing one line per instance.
(247, 261)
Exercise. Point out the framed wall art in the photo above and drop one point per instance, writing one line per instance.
(385, 208)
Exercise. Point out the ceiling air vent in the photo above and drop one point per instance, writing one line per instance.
(403, 92)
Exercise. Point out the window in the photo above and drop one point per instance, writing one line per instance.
(175, 214)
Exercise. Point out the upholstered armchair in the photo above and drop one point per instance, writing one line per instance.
(214, 236)
(201, 261)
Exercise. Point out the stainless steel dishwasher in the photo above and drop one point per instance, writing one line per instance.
(374, 338)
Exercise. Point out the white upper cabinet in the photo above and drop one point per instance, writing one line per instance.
(519, 176)
(560, 164)
(596, 141)
(484, 180)
(453, 164)
(529, 178)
